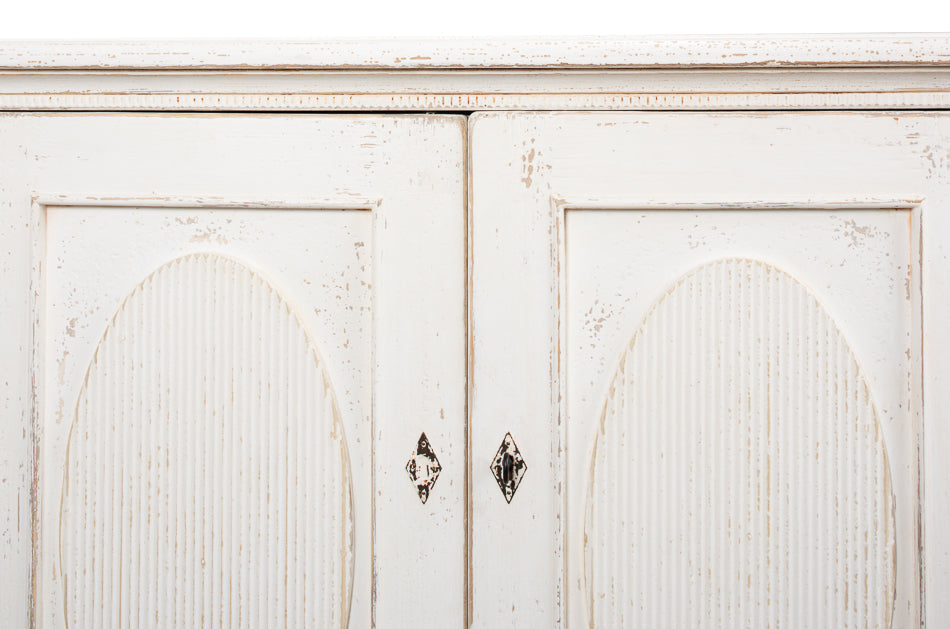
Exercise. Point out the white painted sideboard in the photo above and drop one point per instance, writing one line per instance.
(605, 333)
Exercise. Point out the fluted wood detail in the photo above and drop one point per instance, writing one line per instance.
(207, 481)
(739, 477)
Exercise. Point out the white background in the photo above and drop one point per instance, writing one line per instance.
(300, 19)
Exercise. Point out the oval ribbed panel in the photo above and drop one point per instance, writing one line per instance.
(739, 477)
(207, 481)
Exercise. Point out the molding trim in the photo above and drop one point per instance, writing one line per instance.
(712, 74)
(483, 53)
(475, 102)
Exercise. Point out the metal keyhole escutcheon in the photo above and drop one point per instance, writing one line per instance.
(508, 467)
(423, 468)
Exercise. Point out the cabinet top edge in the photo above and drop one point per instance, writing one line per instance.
(689, 52)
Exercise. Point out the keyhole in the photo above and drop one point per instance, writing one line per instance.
(508, 469)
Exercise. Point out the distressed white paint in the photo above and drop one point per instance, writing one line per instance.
(739, 476)
(336, 212)
(581, 221)
(125, 179)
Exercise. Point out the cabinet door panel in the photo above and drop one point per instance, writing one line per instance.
(243, 324)
(705, 334)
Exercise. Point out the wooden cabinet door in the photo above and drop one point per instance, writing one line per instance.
(241, 327)
(708, 337)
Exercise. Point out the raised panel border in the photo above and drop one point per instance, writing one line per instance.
(40, 204)
(570, 558)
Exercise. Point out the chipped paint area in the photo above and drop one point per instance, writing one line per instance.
(857, 234)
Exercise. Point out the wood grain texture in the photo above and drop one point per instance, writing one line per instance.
(739, 476)
(207, 480)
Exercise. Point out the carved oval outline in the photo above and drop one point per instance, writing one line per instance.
(336, 421)
(601, 430)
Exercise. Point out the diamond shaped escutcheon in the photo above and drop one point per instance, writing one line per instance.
(508, 467)
(423, 468)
